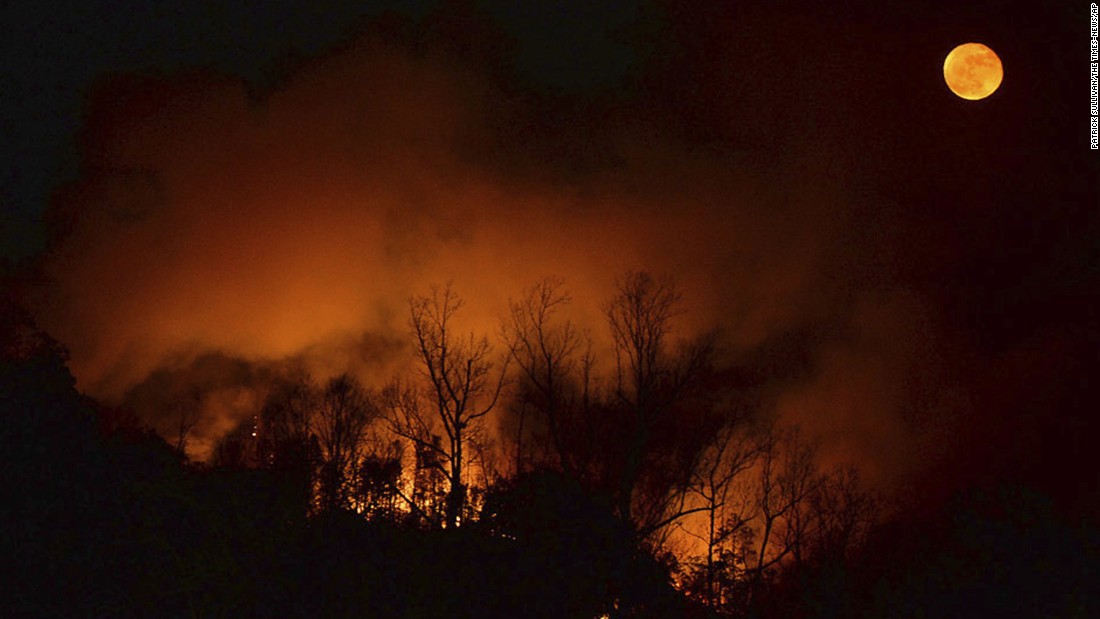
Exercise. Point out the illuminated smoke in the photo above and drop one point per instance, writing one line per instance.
(215, 238)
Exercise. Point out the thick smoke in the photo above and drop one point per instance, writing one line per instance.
(218, 236)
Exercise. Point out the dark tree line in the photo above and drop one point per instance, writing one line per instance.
(634, 485)
(652, 435)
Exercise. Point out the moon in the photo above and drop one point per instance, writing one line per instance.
(972, 71)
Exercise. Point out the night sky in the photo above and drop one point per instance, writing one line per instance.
(200, 194)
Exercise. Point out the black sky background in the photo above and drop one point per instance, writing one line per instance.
(987, 210)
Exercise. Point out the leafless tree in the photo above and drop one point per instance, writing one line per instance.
(285, 424)
(554, 371)
(461, 385)
(187, 408)
(378, 481)
(344, 414)
(787, 478)
(236, 449)
(652, 379)
(843, 513)
(402, 403)
(769, 508)
(726, 503)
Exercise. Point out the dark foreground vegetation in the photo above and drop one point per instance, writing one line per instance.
(101, 517)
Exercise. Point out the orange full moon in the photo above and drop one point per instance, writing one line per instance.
(972, 71)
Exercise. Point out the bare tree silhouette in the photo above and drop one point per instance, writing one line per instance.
(344, 413)
(461, 385)
(554, 374)
(187, 408)
(652, 379)
(787, 477)
(725, 502)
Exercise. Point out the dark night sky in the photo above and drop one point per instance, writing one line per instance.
(801, 166)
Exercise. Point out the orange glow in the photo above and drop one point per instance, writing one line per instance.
(211, 228)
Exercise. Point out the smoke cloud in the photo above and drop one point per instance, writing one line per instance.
(218, 236)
